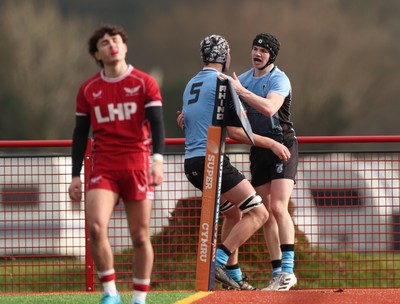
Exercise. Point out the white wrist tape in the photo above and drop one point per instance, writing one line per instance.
(157, 156)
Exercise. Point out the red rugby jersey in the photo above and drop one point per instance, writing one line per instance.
(117, 112)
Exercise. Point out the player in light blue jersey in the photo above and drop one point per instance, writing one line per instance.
(242, 221)
(267, 95)
(198, 108)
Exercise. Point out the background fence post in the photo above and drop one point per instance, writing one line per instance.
(89, 264)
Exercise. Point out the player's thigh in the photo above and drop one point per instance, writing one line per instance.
(281, 190)
(240, 192)
(99, 206)
(138, 214)
(265, 192)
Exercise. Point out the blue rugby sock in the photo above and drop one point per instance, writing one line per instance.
(234, 272)
(222, 256)
(287, 258)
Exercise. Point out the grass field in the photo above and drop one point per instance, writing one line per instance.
(327, 270)
(85, 298)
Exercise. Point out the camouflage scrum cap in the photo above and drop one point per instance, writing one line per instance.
(270, 42)
(214, 49)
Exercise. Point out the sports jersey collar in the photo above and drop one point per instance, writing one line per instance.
(119, 78)
(270, 72)
(210, 69)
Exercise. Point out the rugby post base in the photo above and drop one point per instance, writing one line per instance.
(205, 270)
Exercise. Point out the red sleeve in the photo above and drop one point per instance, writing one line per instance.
(152, 90)
(82, 106)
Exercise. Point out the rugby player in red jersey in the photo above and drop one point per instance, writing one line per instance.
(123, 107)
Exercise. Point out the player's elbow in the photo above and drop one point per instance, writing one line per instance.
(237, 134)
(232, 133)
(268, 112)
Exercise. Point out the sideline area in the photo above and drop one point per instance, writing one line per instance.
(194, 297)
(315, 296)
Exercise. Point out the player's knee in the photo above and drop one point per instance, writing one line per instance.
(262, 215)
(139, 238)
(254, 207)
(279, 211)
(97, 231)
(230, 212)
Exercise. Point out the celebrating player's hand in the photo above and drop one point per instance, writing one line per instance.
(281, 151)
(235, 82)
(180, 120)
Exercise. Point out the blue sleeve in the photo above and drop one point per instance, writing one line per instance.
(280, 84)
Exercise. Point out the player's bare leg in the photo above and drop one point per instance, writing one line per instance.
(99, 207)
(252, 219)
(271, 234)
(281, 190)
(230, 218)
(138, 215)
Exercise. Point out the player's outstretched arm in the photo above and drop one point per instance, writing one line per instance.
(279, 149)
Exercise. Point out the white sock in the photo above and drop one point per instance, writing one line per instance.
(109, 286)
(139, 297)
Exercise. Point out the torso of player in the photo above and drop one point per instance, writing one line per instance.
(279, 125)
(117, 110)
(198, 109)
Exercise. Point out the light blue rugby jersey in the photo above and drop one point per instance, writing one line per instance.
(274, 81)
(198, 109)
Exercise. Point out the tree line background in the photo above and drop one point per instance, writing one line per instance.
(341, 57)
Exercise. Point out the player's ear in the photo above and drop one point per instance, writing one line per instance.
(96, 56)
